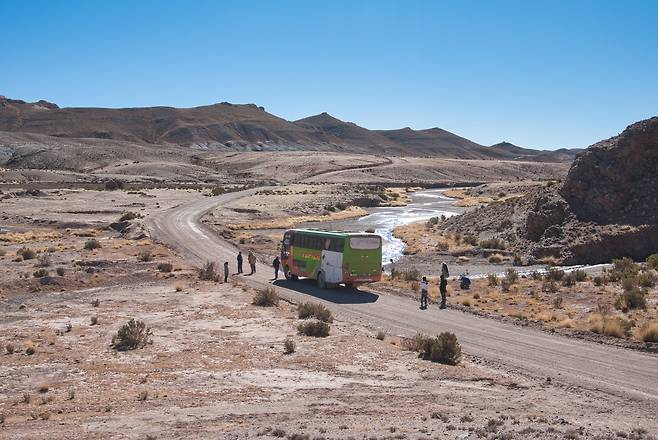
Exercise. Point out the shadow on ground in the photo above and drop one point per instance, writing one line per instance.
(337, 295)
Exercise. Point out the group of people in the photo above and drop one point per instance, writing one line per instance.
(443, 288)
(251, 259)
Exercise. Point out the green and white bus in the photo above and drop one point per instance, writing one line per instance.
(331, 257)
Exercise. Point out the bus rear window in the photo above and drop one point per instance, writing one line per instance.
(365, 242)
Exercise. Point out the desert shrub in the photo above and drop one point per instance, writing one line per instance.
(623, 268)
(607, 326)
(26, 253)
(492, 243)
(96, 302)
(432, 221)
(549, 286)
(40, 273)
(471, 239)
(652, 261)
(598, 280)
(579, 275)
(381, 335)
(492, 280)
(517, 260)
(442, 246)
(646, 279)
(512, 276)
(208, 272)
(10, 348)
(649, 331)
(415, 286)
(629, 283)
(92, 244)
(94, 320)
(443, 348)
(505, 285)
(535, 275)
(145, 256)
(60, 271)
(43, 261)
(631, 299)
(2, 252)
(30, 350)
(495, 258)
(318, 329)
(412, 274)
(569, 279)
(308, 310)
(289, 346)
(113, 185)
(126, 216)
(165, 267)
(266, 297)
(554, 274)
(142, 396)
(132, 335)
(557, 302)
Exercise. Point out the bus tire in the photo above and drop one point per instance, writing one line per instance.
(321, 282)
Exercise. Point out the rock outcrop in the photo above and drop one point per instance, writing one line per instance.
(616, 180)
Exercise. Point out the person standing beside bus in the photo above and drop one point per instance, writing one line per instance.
(226, 271)
(443, 285)
(275, 264)
(252, 262)
(239, 258)
(424, 287)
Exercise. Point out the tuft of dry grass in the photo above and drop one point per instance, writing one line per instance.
(606, 326)
(289, 346)
(318, 329)
(132, 335)
(648, 332)
(318, 311)
(266, 297)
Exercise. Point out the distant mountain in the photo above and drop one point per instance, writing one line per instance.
(520, 153)
(247, 127)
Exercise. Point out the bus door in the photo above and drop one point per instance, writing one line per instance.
(285, 246)
(332, 262)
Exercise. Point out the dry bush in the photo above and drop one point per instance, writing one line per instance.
(142, 396)
(92, 244)
(647, 279)
(208, 272)
(569, 279)
(598, 280)
(318, 329)
(40, 273)
(649, 331)
(557, 302)
(96, 302)
(505, 285)
(43, 261)
(381, 335)
(289, 346)
(549, 286)
(132, 335)
(512, 276)
(566, 323)
(623, 268)
(415, 286)
(493, 243)
(113, 185)
(165, 267)
(145, 256)
(631, 299)
(607, 326)
(629, 283)
(495, 259)
(580, 275)
(652, 261)
(471, 239)
(443, 348)
(60, 271)
(409, 274)
(10, 348)
(2, 252)
(492, 280)
(126, 216)
(554, 274)
(94, 320)
(314, 310)
(442, 246)
(178, 288)
(26, 253)
(536, 275)
(266, 297)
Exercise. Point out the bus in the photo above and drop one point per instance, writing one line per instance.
(331, 257)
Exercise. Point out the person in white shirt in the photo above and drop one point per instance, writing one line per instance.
(424, 288)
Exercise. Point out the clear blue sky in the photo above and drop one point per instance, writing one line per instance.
(536, 73)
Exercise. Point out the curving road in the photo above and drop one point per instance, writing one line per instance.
(625, 373)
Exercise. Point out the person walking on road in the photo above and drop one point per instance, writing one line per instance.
(252, 262)
(226, 270)
(275, 264)
(443, 285)
(424, 287)
(239, 258)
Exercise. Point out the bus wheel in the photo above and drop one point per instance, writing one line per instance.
(321, 282)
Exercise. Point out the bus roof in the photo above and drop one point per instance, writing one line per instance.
(326, 233)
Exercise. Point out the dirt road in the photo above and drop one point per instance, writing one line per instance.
(567, 361)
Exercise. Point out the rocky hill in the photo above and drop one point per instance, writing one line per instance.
(607, 207)
(244, 127)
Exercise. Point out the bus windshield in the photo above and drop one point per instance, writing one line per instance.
(365, 242)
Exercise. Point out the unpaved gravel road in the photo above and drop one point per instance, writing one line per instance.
(567, 361)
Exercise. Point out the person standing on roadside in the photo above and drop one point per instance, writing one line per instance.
(275, 264)
(392, 266)
(424, 288)
(443, 285)
(239, 258)
(252, 262)
(226, 271)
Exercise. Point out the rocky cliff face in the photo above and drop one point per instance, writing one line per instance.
(616, 180)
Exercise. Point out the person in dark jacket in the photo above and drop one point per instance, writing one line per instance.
(275, 264)
(239, 258)
(226, 271)
(443, 285)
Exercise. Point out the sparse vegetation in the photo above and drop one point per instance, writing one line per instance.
(40, 273)
(145, 256)
(266, 297)
(492, 280)
(495, 259)
(142, 396)
(443, 348)
(652, 261)
(127, 216)
(113, 185)
(381, 335)
(94, 320)
(92, 244)
(607, 326)
(165, 267)
(647, 279)
(314, 310)
(132, 335)
(631, 299)
(649, 332)
(60, 271)
(289, 346)
(10, 348)
(493, 243)
(554, 274)
(511, 276)
(26, 253)
(318, 329)
(96, 302)
(208, 272)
